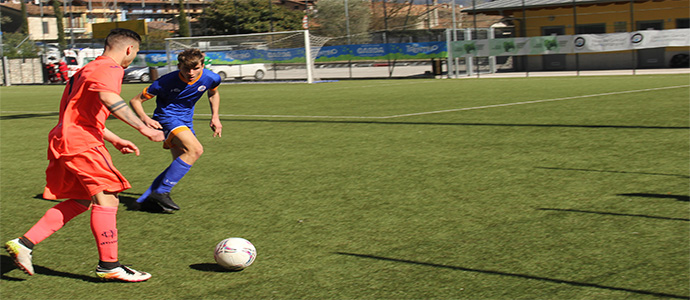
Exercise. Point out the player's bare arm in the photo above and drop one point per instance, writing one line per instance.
(137, 106)
(121, 110)
(121, 144)
(214, 100)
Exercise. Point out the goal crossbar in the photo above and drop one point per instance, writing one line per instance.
(282, 50)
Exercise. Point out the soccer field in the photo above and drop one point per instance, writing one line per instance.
(522, 188)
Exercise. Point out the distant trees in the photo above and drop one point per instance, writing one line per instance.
(60, 25)
(225, 17)
(330, 20)
(17, 44)
(182, 18)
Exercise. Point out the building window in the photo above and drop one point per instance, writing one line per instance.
(650, 25)
(46, 28)
(590, 28)
(620, 26)
(683, 23)
(552, 30)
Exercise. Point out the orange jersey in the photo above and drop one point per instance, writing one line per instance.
(82, 114)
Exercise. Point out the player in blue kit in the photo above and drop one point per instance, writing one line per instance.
(176, 94)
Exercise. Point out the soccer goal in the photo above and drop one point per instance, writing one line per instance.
(286, 55)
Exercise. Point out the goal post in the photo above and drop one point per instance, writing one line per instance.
(285, 55)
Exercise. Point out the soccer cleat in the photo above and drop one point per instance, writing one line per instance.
(21, 256)
(164, 201)
(122, 273)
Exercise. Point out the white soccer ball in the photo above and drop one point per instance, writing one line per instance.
(235, 253)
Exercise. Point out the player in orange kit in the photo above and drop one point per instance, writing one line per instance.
(80, 168)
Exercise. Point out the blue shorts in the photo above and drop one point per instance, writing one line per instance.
(170, 127)
(169, 124)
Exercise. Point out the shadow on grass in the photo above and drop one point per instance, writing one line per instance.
(682, 198)
(516, 275)
(614, 214)
(607, 171)
(35, 115)
(287, 120)
(7, 265)
(660, 196)
(31, 115)
(129, 200)
(212, 268)
(40, 196)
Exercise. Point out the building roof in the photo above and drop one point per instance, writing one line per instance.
(499, 5)
(31, 10)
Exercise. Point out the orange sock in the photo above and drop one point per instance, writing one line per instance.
(54, 219)
(104, 229)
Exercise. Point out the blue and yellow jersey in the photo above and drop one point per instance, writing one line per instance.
(176, 97)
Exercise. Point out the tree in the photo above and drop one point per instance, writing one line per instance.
(17, 44)
(224, 17)
(25, 20)
(61, 26)
(394, 15)
(155, 40)
(330, 20)
(5, 20)
(184, 23)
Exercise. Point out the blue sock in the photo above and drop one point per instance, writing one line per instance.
(155, 183)
(177, 169)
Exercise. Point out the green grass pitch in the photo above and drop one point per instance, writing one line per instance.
(526, 188)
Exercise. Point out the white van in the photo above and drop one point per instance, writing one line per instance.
(77, 58)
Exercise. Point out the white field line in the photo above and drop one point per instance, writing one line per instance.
(413, 114)
(537, 101)
(455, 109)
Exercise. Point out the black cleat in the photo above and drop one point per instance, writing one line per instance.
(164, 201)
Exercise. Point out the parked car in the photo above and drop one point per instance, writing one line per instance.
(256, 71)
(138, 73)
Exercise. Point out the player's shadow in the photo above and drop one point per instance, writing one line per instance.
(7, 265)
(515, 275)
(129, 200)
(212, 268)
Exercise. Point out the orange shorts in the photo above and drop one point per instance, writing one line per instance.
(83, 175)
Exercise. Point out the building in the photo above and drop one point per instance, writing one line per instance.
(570, 17)
(80, 14)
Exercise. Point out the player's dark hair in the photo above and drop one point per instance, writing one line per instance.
(119, 35)
(190, 58)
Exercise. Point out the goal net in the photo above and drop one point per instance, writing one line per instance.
(287, 55)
